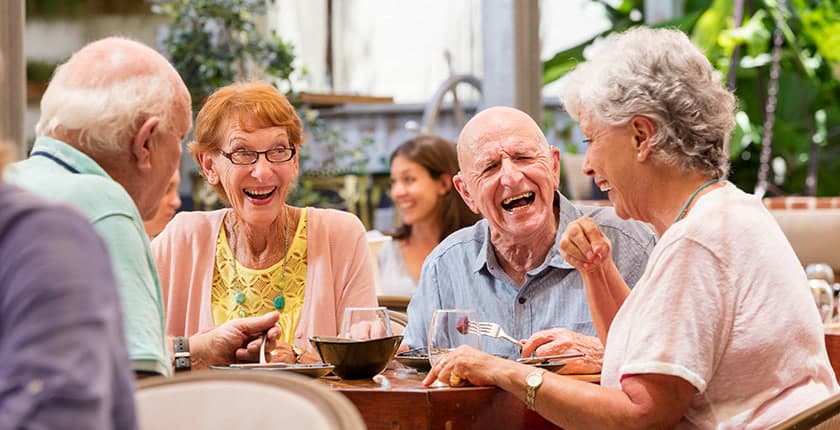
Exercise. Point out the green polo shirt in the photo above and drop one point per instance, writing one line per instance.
(62, 173)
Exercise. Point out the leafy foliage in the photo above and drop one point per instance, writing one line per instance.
(806, 131)
(215, 42)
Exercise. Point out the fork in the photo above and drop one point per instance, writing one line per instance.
(490, 329)
(262, 348)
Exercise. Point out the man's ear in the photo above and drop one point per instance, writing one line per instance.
(141, 144)
(643, 130)
(461, 187)
(555, 166)
(205, 163)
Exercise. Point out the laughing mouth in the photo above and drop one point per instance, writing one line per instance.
(259, 194)
(512, 204)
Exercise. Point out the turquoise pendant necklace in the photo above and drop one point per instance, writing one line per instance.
(279, 301)
(691, 198)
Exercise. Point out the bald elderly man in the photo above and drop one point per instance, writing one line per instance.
(109, 140)
(507, 266)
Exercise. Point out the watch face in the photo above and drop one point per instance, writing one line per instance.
(534, 379)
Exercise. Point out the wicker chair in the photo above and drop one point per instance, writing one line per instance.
(247, 399)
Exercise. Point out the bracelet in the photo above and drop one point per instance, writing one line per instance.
(181, 349)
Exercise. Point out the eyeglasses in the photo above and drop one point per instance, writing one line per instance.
(277, 155)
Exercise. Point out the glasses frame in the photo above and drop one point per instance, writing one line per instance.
(256, 154)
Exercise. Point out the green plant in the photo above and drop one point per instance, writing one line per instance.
(49, 9)
(802, 43)
(39, 71)
(215, 42)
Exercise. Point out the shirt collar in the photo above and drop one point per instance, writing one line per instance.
(74, 158)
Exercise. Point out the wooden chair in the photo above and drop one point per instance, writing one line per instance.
(247, 399)
(824, 415)
(399, 320)
(394, 303)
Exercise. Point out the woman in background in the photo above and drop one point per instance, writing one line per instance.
(421, 188)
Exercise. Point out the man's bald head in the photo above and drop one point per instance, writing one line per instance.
(99, 98)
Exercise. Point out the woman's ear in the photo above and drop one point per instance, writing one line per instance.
(445, 180)
(205, 162)
(643, 130)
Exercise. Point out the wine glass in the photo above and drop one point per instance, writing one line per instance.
(823, 297)
(820, 271)
(365, 323)
(449, 329)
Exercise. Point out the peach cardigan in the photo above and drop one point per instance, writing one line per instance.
(339, 271)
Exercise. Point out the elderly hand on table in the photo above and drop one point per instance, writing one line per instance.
(560, 341)
(237, 340)
(467, 364)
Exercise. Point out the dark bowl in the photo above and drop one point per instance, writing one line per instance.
(356, 359)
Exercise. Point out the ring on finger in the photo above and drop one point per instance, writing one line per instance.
(442, 361)
(454, 379)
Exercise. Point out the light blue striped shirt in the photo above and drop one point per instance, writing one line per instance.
(462, 273)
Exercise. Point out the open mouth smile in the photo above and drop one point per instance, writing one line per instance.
(260, 194)
(513, 204)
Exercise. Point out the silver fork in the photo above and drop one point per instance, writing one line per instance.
(262, 348)
(491, 329)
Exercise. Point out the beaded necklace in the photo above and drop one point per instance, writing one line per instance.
(279, 300)
(691, 198)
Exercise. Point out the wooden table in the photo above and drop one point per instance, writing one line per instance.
(398, 400)
(832, 346)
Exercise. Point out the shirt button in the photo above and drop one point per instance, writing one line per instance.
(522, 300)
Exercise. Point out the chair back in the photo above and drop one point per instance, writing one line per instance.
(824, 415)
(227, 399)
(394, 303)
(399, 320)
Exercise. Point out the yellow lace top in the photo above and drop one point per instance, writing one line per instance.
(260, 287)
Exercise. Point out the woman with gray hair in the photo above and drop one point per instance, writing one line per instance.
(723, 293)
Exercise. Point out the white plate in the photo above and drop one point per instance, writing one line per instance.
(315, 370)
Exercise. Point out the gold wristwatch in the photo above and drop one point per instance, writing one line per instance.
(532, 383)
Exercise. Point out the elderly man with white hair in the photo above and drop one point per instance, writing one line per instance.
(109, 139)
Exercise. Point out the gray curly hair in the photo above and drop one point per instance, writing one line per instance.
(660, 74)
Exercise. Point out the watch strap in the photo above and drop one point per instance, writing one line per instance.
(181, 349)
(531, 388)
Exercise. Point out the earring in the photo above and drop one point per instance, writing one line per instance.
(639, 155)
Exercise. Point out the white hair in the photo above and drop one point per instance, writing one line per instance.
(107, 112)
(660, 74)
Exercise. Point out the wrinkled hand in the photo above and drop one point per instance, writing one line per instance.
(364, 330)
(467, 364)
(237, 340)
(560, 341)
(584, 245)
(282, 353)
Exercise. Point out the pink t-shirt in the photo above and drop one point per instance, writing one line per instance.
(724, 304)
